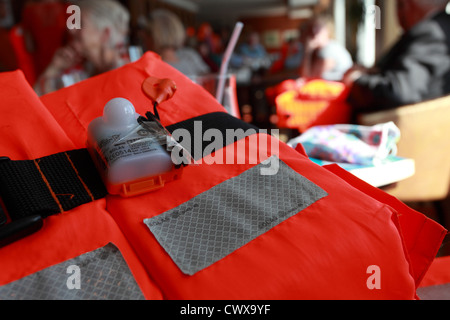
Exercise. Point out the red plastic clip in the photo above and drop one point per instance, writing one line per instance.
(159, 90)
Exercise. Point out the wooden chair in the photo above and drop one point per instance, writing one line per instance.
(425, 130)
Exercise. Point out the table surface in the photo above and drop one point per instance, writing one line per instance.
(392, 170)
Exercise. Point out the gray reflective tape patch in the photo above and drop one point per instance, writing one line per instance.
(221, 220)
(437, 292)
(101, 274)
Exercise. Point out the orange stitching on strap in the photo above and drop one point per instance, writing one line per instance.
(79, 177)
(66, 195)
(48, 186)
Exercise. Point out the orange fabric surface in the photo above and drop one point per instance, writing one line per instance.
(439, 273)
(323, 252)
(422, 236)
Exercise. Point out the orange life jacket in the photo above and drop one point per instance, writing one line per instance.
(325, 251)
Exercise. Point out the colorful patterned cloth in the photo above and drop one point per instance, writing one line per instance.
(350, 143)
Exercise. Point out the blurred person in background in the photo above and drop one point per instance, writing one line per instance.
(166, 35)
(323, 57)
(6, 14)
(253, 54)
(294, 53)
(416, 69)
(99, 46)
(252, 48)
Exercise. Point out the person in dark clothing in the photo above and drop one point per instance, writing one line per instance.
(416, 69)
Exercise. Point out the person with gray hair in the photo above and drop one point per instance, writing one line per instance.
(98, 46)
(416, 69)
(165, 34)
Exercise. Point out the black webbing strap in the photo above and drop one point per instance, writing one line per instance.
(215, 120)
(49, 185)
(63, 181)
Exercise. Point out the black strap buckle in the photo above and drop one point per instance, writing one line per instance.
(19, 229)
